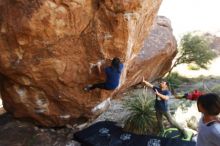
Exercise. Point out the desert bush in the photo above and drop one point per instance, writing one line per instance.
(194, 48)
(193, 67)
(141, 118)
(175, 80)
(216, 89)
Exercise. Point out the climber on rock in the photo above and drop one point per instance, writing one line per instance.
(113, 74)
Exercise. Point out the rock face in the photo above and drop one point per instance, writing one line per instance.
(155, 58)
(49, 49)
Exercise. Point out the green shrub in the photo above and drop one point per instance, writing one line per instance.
(194, 48)
(175, 80)
(193, 67)
(216, 89)
(141, 118)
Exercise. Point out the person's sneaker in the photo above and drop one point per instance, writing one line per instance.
(87, 88)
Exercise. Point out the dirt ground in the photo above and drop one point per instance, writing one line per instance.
(14, 132)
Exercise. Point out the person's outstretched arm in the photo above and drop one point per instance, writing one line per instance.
(164, 97)
(147, 83)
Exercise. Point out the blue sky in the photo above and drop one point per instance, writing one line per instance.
(192, 15)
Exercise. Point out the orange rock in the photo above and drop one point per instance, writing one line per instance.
(49, 50)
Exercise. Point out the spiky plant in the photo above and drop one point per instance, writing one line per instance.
(141, 118)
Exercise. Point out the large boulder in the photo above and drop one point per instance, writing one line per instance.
(155, 58)
(49, 49)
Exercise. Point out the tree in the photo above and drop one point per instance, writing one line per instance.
(194, 49)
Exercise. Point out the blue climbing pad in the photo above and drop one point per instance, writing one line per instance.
(107, 133)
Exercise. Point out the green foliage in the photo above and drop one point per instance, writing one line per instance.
(141, 118)
(175, 80)
(194, 49)
(193, 67)
(216, 89)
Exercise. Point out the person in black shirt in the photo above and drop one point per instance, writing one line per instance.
(162, 95)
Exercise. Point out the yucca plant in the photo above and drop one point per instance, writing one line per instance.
(141, 118)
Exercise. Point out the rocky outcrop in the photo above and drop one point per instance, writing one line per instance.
(49, 50)
(155, 58)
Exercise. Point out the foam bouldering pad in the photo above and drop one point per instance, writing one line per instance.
(107, 133)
